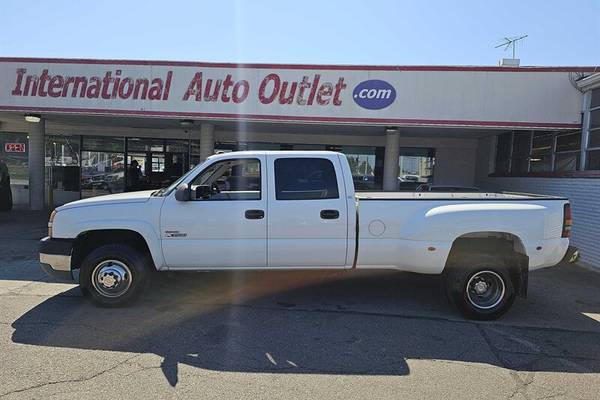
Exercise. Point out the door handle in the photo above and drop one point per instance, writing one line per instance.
(330, 214)
(254, 214)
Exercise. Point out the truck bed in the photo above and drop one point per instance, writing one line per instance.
(452, 196)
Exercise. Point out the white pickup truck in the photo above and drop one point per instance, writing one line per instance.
(298, 210)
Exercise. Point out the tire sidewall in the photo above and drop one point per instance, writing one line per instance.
(457, 290)
(134, 260)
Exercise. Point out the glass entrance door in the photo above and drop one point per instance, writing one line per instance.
(62, 169)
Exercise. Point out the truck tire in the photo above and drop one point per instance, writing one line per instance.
(113, 275)
(481, 288)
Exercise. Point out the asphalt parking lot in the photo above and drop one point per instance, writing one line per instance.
(289, 335)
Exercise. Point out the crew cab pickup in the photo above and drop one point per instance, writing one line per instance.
(298, 210)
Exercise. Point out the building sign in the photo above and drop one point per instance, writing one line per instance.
(326, 94)
(374, 94)
(14, 147)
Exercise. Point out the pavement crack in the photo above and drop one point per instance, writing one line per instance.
(521, 384)
(553, 395)
(74, 380)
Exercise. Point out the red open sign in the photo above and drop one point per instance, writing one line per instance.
(14, 147)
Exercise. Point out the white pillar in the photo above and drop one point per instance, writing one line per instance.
(207, 141)
(37, 133)
(390, 162)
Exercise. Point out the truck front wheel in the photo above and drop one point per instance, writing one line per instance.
(483, 290)
(113, 275)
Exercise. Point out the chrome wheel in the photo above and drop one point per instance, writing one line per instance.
(111, 278)
(485, 289)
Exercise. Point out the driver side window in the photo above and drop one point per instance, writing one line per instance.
(235, 179)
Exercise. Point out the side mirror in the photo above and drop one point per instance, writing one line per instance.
(183, 193)
(203, 191)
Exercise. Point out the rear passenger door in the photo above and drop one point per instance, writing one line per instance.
(307, 212)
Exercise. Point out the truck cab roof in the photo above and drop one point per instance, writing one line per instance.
(298, 153)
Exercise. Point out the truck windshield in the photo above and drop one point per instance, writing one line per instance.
(166, 190)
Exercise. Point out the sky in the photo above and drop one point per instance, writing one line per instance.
(369, 32)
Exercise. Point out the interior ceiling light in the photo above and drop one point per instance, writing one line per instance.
(35, 118)
(186, 122)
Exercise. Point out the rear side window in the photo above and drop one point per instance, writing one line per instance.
(305, 179)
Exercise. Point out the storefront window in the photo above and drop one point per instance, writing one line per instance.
(156, 163)
(593, 154)
(521, 152)
(593, 160)
(63, 167)
(101, 173)
(595, 98)
(140, 159)
(102, 166)
(14, 149)
(62, 150)
(595, 119)
(145, 144)
(260, 146)
(362, 162)
(195, 152)
(568, 148)
(566, 162)
(594, 138)
(104, 143)
(568, 142)
(177, 146)
(541, 152)
(415, 167)
(503, 150)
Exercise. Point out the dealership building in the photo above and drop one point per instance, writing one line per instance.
(72, 129)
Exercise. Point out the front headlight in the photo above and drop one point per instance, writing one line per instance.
(50, 221)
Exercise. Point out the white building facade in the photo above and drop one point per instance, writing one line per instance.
(528, 129)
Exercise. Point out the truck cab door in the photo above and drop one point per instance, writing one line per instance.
(307, 212)
(225, 225)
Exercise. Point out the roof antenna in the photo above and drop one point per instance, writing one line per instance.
(508, 42)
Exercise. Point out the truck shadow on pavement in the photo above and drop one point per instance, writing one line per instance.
(317, 323)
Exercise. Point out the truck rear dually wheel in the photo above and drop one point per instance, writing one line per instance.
(482, 288)
(113, 275)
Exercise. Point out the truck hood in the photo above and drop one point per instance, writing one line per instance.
(119, 198)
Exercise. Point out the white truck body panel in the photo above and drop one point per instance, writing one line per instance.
(402, 241)
(108, 212)
(298, 236)
(214, 234)
(405, 231)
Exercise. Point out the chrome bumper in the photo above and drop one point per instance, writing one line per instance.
(56, 261)
(55, 257)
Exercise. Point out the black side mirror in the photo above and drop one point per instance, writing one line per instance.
(203, 191)
(183, 193)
